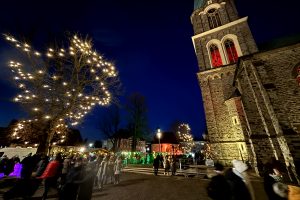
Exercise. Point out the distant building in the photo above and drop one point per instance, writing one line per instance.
(125, 144)
(199, 145)
(107, 144)
(168, 143)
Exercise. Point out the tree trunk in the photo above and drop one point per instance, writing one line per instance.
(45, 140)
(133, 147)
(44, 144)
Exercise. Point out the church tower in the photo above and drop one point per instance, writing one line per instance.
(220, 38)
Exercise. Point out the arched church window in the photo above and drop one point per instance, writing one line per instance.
(231, 51)
(215, 55)
(213, 18)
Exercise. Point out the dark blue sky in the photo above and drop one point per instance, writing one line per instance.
(150, 42)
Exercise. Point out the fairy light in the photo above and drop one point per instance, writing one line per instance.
(42, 88)
(186, 138)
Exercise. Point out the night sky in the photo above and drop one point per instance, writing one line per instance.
(148, 40)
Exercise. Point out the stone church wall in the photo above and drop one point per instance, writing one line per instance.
(276, 70)
(271, 97)
(224, 136)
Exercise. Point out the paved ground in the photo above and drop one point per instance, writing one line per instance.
(142, 184)
(140, 187)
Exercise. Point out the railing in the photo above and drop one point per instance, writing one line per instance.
(195, 170)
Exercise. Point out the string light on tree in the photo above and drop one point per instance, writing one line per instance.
(62, 85)
(185, 138)
(25, 131)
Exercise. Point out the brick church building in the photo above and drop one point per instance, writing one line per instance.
(251, 98)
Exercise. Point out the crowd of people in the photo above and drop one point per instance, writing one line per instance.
(234, 183)
(73, 176)
(167, 162)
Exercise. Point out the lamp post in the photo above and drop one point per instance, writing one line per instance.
(158, 134)
(173, 149)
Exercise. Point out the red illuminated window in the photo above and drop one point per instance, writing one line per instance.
(231, 51)
(216, 59)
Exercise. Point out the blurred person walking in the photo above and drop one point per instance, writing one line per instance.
(102, 173)
(70, 188)
(219, 188)
(117, 170)
(156, 165)
(239, 182)
(51, 174)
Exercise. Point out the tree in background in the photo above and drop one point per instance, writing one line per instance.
(73, 138)
(186, 140)
(59, 87)
(109, 125)
(174, 126)
(137, 117)
(25, 132)
(98, 144)
(63, 136)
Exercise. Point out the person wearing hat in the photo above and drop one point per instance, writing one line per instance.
(219, 188)
(239, 182)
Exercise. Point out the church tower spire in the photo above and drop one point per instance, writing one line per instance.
(220, 38)
(220, 35)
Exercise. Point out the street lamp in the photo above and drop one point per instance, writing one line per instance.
(158, 134)
(82, 149)
(91, 145)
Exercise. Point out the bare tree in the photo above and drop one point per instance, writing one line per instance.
(137, 113)
(174, 126)
(59, 87)
(109, 125)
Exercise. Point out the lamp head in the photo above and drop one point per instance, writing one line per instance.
(159, 134)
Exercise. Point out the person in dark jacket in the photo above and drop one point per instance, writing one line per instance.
(41, 166)
(173, 166)
(87, 183)
(219, 188)
(71, 186)
(156, 165)
(272, 176)
(237, 181)
(9, 166)
(27, 167)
